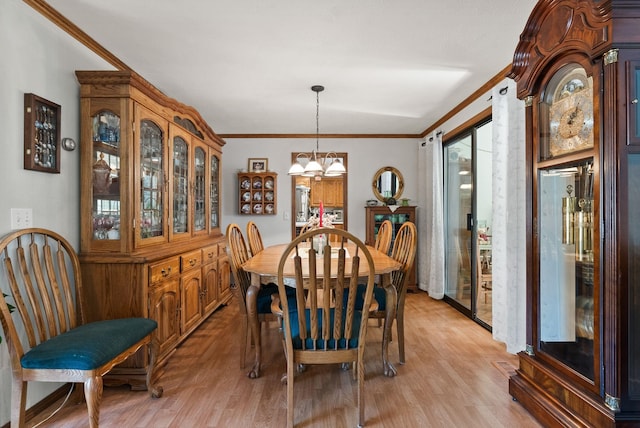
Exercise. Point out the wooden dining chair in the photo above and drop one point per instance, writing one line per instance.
(404, 252)
(254, 237)
(329, 330)
(383, 238)
(307, 227)
(250, 325)
(44, 325)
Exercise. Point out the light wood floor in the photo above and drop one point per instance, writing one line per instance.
(455, 376)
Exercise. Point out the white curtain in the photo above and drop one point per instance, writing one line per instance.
(509, 210)
(431, 227)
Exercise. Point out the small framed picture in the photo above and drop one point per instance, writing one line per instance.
(258, 165)
(41, 134)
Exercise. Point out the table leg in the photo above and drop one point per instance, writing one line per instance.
(391, 305)
(254, 323)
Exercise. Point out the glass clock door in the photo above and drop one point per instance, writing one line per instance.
(567, 257)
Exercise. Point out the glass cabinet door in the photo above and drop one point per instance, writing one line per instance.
(633, 263)
(180, 186)
(567, 257)
(199, 188)
(151, 181)
(397, 220)
(106, 170)
(214, 194)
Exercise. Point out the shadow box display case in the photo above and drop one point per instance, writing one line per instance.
(257, 193)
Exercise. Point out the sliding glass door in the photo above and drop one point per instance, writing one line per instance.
(468, 204)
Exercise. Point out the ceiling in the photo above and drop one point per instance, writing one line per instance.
(389, 67)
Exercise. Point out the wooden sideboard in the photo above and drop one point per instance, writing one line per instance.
(151, 244)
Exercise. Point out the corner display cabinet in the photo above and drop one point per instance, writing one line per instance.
(577, 67)
(151, 244)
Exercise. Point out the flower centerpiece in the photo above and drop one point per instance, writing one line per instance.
(327, 221)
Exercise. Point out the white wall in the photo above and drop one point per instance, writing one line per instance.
(39, 58)
(365, 157)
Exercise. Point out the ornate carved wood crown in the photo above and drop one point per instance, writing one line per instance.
(559, 27)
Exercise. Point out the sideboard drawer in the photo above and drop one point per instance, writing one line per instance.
(161, 270)
(209, 254)
(191, 260)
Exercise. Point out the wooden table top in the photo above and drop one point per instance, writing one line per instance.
(265, 263)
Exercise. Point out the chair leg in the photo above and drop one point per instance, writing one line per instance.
(154, 391)
(245, 337)
(391, 296)
(254, 324)
(360, 370)
(290, 379)
(93, 395)
(400, 328)
(18, 403)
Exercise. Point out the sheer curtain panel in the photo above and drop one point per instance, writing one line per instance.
(431, 230)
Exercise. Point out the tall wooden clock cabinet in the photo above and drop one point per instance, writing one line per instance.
(577, 66)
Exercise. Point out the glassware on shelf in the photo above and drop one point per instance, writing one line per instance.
(106, 128)
(106, 226)
(101, 176)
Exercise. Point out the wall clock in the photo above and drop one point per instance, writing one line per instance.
(570, 117)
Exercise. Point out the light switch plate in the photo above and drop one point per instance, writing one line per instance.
(21, 218)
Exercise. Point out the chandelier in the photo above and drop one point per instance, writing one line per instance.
(317, 167)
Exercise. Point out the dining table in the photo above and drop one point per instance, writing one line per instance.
(264, 266)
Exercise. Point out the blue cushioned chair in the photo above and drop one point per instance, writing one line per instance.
(251, 318)
(403, 251)
(47, 337)
(331, 331)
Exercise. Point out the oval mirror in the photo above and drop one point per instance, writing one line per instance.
(387, 183)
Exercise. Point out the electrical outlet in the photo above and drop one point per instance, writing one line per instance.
(21, 218)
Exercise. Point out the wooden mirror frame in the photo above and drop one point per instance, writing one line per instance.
(378, 175)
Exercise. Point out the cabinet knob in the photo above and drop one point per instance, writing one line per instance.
(192, 262)
(634, 101)
(166, 272)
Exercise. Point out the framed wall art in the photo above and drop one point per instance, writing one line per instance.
(258, 164)
(41, 134)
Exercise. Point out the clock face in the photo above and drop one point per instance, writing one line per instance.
(571, 114)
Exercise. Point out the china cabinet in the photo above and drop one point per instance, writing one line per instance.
(577, 68)
(151, 243)
(375, 215)
(257, 193)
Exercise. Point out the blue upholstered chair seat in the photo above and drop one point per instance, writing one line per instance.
(88, 346)
(264, 297)
(379, 295)
(342, 343)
